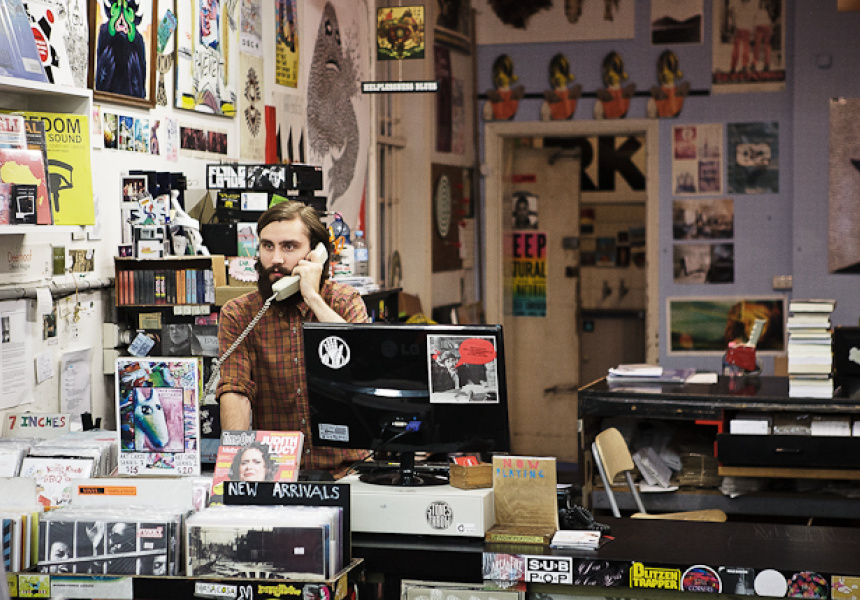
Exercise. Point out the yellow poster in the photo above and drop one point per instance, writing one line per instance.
(287, 44)
(69, 172)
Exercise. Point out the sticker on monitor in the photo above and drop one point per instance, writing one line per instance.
(462, 370)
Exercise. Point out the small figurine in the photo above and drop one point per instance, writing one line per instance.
(613, 100)
(668, 98)
(504, 100)
(560, 101)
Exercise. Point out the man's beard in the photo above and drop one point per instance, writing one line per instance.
(264, 284)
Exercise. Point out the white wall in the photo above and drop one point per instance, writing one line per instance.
(97, 307)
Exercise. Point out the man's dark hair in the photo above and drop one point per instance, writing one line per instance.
(314, 227)
(235, 466)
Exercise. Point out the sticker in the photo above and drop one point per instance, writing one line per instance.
(549, 569)
(807, 584)
(770, 583)
(34, 586)
(700, 578)
(333, 352)
(214, 590)
(334, 433)
(439, 515)
(737, 580)
(652, 577)
(107, 490)
(844, 587)
(466, 528)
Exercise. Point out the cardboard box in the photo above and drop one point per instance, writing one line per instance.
(408, 304)
(228, 292)
(469, 477)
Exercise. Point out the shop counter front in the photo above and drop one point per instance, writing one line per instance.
(762, 559)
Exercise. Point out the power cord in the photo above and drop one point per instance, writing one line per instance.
(215, 374)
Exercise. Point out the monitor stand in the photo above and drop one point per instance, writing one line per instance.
(405, 475)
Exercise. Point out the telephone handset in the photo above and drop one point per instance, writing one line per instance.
(283, 288)
(289, 284)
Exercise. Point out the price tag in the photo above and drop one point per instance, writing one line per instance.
(205, 589)
(34, 586)
(120, 588)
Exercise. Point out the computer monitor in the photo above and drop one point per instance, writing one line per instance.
(405, 388)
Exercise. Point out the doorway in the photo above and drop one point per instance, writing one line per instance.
(543, 370)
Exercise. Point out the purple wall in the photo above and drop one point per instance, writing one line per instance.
(775, 234)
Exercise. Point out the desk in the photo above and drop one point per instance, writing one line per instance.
(714, 404)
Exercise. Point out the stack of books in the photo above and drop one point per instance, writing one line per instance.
(643, 373)
(810, 352)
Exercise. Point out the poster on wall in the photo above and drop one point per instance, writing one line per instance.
(520, 22)
(526, 252)
(158, 409)
(674, 22)
(61, 34)
(703, 219)
(287, 43)
(749, 46)
(206, 42)
(697, 160)
(400, 32)
(703, 263)
(753, 158)
(251, 28)
(843, 243)
(707, 325)
(338, 115)
(291, 130)
(252, 133)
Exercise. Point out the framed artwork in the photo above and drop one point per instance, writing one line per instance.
(707, 325)
(454, 24)
(122, 51)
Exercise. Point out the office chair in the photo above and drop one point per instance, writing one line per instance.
(612, 457)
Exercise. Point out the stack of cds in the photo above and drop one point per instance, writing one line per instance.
(292, 542)
(130, 541)
(12, 450)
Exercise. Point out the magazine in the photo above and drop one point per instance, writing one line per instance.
(256, 456)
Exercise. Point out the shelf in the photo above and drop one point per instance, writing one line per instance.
(30, 229)
(22, 94)
(790, 473)
(122, 587)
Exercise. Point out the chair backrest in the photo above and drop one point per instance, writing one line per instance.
(614, 453)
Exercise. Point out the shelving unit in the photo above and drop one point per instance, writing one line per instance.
(120, 587)
(769, 456)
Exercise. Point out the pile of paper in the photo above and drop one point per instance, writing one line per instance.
(576, 539)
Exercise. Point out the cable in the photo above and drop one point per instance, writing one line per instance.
(216, 364)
